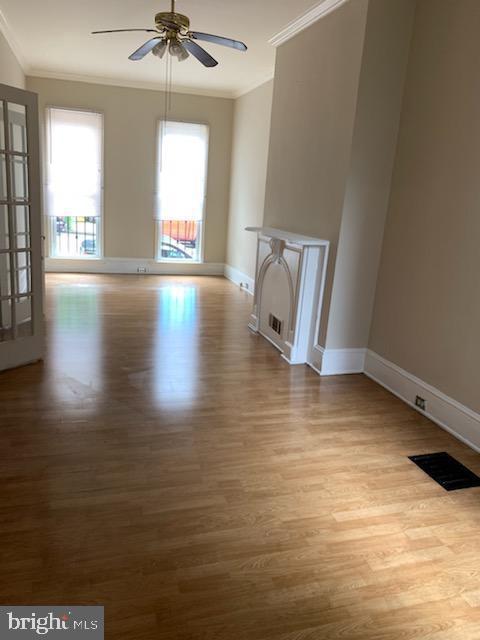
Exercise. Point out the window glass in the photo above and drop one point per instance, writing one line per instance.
(182, 159)
(74, 183)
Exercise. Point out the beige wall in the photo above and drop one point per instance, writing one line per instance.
(131, 117)
(11, 72)
(427, 312)
(382, 79)
(314, 99)
(314, 102)
(251, 132)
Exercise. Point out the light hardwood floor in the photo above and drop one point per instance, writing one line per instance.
(168, 464)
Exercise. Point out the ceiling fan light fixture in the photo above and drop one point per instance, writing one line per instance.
(177, 50)
(160, 48)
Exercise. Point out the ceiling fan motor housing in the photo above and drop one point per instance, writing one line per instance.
(181, 21)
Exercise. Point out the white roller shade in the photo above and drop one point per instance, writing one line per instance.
(75, 163)
(181, 171)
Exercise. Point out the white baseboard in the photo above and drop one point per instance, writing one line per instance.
(131, 265)
(335, 362)
(456, 418)
(239, 278)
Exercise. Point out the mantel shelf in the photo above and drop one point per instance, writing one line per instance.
(295, 238)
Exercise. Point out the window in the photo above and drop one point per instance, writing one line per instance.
(74, 182)
(182, 159)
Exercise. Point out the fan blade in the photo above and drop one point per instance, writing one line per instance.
(144, 49)
(226, 42)
(124, 30)
(200, 54)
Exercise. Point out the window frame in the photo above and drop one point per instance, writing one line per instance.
(203, 221)
(50, 231)
(51, 221)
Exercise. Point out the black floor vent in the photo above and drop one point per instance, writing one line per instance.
(447, 471)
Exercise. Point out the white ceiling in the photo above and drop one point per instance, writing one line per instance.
(53, 38)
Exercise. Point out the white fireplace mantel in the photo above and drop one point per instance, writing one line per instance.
(287, 236)
(289, 284)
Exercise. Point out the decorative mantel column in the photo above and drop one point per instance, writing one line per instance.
(289, 284)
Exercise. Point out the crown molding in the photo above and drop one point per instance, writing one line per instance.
(303, 22)
(128, 84)
(256, 85)
(9, 36)
(150, 86)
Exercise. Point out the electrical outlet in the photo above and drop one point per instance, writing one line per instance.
(244, 285)
(141, 269)
(421, 403)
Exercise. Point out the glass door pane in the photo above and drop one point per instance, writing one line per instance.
(5, 277)
(17, 119)
(4, 228)
(3, 177)
(6, 332)
(23, 317)
(19, 177)
(2, 128)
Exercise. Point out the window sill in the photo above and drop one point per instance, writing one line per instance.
(173, 261)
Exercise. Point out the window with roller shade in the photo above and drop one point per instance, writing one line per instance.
(182, 159)
(74, 190)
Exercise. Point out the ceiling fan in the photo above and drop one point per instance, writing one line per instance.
(173, 34)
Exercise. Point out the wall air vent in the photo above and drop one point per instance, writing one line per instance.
(275, 324)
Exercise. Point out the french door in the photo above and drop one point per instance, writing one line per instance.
(21, 269)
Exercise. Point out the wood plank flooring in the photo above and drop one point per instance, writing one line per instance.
(168, 464)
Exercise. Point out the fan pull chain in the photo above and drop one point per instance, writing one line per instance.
(165, 111)
(170, 84)
(167, 102)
